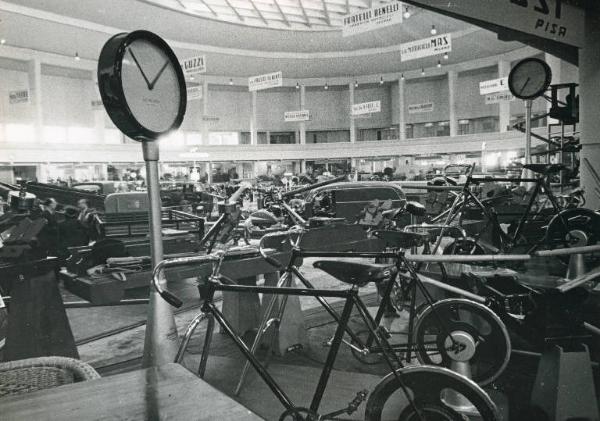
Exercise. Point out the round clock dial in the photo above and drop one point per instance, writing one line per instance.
(142, 85)
(529, 78)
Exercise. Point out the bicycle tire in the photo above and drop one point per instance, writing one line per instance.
(426, 385)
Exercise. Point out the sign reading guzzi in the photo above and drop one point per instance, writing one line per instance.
(366, 108)
(373, 18)
(270, 80)
(426, 47)
(194, 65)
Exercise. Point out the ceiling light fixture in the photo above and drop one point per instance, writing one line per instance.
(402, 76)
(406, 13)
(2, 41)
(445, 56)
(77, 56)
(231, 81)
(356, 84)
(439, 64)
(422, 71)
(297, 85)
(191, 77)
(326, 86)
(381, 80)
(433, 30)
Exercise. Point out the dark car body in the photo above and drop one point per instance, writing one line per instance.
(348, 199)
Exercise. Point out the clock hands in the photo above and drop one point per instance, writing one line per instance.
(162, 69)
(524, 85)
(140, 67)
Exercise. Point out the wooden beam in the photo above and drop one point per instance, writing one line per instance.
(285, 19)
(326, 11)
(259, 13)
(240, 17)
(304, 13)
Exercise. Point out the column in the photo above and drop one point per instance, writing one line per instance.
(352, 122)
(401, 107)
(253, 131)
(504, 106)
(34, 74)
(302, 107)
(452, 103)
(98, 110)
(589, 98)
(205, 122)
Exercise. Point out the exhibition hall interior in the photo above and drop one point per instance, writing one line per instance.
(300, 210)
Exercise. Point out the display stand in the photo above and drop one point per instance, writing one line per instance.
(161, 341)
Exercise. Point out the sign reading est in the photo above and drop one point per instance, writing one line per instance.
(493, 85)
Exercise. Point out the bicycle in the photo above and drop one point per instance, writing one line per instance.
(429, 391)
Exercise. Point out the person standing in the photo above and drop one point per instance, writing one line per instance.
(86, 216)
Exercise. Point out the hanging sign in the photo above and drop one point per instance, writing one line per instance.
(498, 97)
(493, 85)
(97, 105)
(437, 44)
(557, 20)
(194, 92)
(420, 108)
(302, 115)
(270, 80)
(194, 65)
(18, 97)
(374, 18)
(366, 108)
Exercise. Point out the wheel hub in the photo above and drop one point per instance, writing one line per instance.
(577, 238)
(461, 346)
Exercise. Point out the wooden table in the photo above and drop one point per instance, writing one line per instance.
(170, 392)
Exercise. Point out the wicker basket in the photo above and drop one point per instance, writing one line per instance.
(33, 374)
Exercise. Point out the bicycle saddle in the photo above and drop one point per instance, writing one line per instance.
(415, 208)
(401, 239)
(545, 168)
(356, 273)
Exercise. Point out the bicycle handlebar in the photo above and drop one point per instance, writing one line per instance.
(288, 235)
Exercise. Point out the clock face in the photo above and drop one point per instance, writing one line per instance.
(142, 85)
(529, 78)
(150, 85)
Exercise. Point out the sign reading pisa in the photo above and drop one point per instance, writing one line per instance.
(270, 80)
(426, 47)
(373, 18)
(366, 108)
(18, 97)
(301, 115)
(426, 107)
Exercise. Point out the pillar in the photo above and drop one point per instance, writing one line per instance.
(99, 113)
(209, 172)
(205, 122)
(401, 107)
(253, 131)
(352, 122)
(589, 99)
(303, 166)
(34, 74)
(503, 106)
(452, 103)
(302, 107)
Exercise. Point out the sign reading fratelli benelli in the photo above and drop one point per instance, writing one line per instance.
(426, 47)
(270, 80)
(373, 18)
(366, 108)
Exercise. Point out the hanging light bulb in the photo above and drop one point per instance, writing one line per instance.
(406, 13)
(2, 41)
(439, 64)
(445, 56)
(381, 80)
(77, 56)
(231, 81)
(297, 85)
(422, 71)
(326, 86)
(433, 30)
(356, 83)
(402, 76)
(192, 77)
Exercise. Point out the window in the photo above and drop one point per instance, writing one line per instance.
(223, 138)
(80, 135)
(113, 137)
(193, 138)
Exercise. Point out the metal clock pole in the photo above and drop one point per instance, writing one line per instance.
(528, 104)
(161, 340)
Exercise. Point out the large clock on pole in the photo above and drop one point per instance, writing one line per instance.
(142, 85)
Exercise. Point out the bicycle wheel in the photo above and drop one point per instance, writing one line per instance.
(479, 333)
(438, 394)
